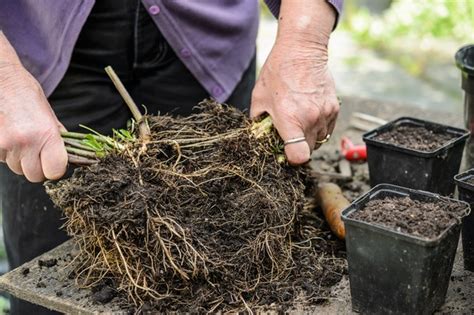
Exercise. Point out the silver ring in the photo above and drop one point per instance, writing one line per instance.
(295, 140)
(324, 140)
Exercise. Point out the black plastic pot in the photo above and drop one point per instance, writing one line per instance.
(466, 193)
(431, 171)
(392, 272)
(465, 62)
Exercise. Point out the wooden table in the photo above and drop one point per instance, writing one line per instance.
(54, 288)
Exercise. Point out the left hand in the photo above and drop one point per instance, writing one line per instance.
(295, 86)
(297, 90)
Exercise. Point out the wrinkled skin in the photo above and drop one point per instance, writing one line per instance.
(30, 141)
(295, 86)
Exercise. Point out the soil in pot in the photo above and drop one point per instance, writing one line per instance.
(415, 137)
(401, 245)
(414, 217)
(414, 153)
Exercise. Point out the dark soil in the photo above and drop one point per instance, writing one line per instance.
(203, 218)
(103, 294)
(415, 137)
(47, 263)
(414, 217)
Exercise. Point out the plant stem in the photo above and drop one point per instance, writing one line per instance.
(137, 115)
(80, 152)
(263, 127)
(76, 143)
(79, 160)
(81, 136)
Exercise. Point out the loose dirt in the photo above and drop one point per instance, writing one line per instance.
(415, 137)
(414, 217)
(202, 218)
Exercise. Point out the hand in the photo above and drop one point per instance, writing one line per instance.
(298, 92)
(295, 86)
(30, 140)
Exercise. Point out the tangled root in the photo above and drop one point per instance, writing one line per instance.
(203, 219)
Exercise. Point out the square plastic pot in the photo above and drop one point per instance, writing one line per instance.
(465, 62)
(466, 193)
(392, 272)
(430, 171)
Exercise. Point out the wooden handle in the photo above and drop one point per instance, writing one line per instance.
(331, 200)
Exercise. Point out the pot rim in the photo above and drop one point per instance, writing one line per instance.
(368, 137)
(400, 191)
(460, 60)
(460, 179)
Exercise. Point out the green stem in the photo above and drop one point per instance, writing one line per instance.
(80, 160)
(81, 136)
(77, 144)
(137, 115)
(263, 127)
(80, 152)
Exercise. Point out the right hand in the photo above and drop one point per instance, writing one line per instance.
(30, 140)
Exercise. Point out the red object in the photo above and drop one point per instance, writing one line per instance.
(353, 152)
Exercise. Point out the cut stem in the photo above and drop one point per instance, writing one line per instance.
(75, 143)
(263, 127)
(80, 160)
(81, 136)
(143, 127)
(81, 152)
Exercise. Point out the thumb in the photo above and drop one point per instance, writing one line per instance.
(296, 153)
(54, 157)
(256, 109)
(61, 127)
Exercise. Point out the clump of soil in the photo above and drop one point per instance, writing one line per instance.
(414, 217)
(202, 218)
(48, 263)
(415, 137)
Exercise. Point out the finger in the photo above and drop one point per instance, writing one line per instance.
(296, 153)
(31, 166)
(256, 107)
(321, 135)
(13, 162)
(54, 158)
(3, 155)
(61, 127)
(332, 125)
(256, 112)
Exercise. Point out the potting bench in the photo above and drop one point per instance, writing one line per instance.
(55, 288)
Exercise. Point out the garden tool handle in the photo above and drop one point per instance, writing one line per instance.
(331, 200)
(353, 152)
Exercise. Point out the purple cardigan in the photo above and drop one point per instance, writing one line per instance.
(215, 39)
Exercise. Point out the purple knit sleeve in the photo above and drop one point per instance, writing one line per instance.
(274, 6)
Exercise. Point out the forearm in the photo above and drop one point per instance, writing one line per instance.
(295, 86)
(306, 23)
(8, 56)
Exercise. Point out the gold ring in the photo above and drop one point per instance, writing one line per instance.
(324, 140)
(294, 140)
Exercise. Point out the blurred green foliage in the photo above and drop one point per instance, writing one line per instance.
(427, 19)
(4, 305)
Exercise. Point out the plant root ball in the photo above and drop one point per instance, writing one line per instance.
(203, 218)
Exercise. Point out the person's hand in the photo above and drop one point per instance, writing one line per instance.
(30, 140)
(295, 86)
